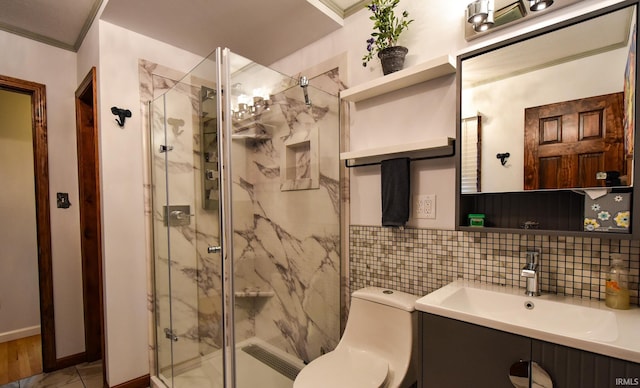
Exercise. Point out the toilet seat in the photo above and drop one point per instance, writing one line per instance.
(344, 368)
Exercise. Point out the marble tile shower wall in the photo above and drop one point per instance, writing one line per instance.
(286, 242)
(420, 261)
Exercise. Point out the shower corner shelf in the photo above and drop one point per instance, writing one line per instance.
(427, 149)
(254, 293)
(426, 71)
(251, 129)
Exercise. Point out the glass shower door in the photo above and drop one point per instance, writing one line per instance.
(162, 289)
(187, 234)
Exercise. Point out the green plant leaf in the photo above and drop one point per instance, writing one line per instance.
(387, 26)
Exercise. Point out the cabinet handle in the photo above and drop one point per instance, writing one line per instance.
(519, 374)
(524, 374)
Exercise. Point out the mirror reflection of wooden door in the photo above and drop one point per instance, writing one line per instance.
(567, 143)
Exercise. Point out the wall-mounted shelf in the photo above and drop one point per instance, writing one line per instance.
(425, 71)
(428, 149)
(557, 212)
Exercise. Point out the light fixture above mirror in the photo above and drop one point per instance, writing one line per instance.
(484, 16)
(478, 11)
(480, 14)
(539, 5)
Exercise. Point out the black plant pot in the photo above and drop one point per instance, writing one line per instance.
(392, 58)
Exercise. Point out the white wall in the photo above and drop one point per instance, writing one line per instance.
(416, 113)
(422, 113)
(19, 305)
(121, 152)
(115, 52)
(56, 68)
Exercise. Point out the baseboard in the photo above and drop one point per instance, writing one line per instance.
(140, 382)
(20, 333)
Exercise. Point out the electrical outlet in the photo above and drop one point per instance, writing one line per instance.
(424, 206)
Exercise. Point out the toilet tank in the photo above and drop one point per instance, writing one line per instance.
(384, 322)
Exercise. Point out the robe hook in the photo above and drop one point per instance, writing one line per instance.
(122, 115)
(503, 157)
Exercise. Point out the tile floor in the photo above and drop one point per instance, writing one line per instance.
(88, 375)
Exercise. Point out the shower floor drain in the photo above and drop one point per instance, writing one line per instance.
(281, 366)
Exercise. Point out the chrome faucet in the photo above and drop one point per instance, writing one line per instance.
(530, 272)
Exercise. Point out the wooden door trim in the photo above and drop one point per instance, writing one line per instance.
(87, 94)
(43, 219)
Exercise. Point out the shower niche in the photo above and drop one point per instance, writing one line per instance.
(299, 161)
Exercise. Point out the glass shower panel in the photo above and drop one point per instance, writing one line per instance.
(160, 243)
(187, 231)
(285, 204)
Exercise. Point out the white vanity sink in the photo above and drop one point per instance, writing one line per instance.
(579, 323)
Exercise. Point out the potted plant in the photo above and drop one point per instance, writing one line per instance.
(387, 29)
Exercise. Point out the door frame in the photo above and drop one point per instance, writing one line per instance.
(90, 217)
(43, 211)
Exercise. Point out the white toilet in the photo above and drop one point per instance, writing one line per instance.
(378, 348)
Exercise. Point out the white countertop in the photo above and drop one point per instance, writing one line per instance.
(578, 323)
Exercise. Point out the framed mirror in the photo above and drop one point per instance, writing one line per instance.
(552, 111)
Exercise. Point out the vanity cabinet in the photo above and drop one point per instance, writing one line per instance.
(458, 354)
(569, 367)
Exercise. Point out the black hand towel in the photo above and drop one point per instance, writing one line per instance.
(394, 176)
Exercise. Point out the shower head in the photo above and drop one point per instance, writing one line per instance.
(304, 82)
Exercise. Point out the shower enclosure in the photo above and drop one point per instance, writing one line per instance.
(246, 224)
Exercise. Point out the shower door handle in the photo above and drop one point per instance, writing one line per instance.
(170, 334)
(179, 215)
(214, 249)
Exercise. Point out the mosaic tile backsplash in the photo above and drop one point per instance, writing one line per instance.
(419, 261)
